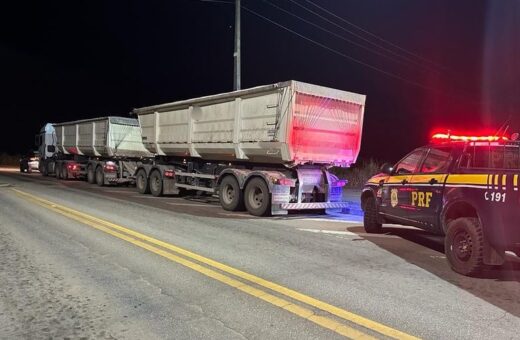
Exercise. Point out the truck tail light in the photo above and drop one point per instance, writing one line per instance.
(286, 181)
(110, 168)
(169, 173)
(73, 167)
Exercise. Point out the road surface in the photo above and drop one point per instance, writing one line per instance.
(81, 261)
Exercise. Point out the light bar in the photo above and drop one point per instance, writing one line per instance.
(443, 136)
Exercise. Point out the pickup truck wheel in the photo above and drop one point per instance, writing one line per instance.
(142, 183)
(464, 246)
(100, 176)
(230, 195)
(370, 220)
(90, 175)
(156, 183)
(257, 197)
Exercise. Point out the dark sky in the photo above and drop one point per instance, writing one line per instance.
(452, 64)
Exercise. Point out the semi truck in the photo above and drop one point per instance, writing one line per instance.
(105, 150)
(266, 149)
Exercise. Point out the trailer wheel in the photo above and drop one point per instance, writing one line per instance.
(91, 178)
(370, 221)
(464, 246)
(100, 176)
(257, 197)
(230, 196)
(64, 171)
(45, 169)
(57, 170)
(156, 183)
(141, 182)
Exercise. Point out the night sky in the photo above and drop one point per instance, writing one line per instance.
(440, 64)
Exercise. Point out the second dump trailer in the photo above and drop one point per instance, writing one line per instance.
(105, 150)
(267, 148)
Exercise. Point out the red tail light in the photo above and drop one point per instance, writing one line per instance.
(73, 167)
(169, 173)
(287, 181)
(110, 168)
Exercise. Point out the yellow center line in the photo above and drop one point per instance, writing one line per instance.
(137, 238)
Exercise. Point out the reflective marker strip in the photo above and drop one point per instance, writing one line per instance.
(515, 182)
(504, 182)
(496, 181)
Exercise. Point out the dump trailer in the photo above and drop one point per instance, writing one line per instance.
(104, 150)
(266, 149)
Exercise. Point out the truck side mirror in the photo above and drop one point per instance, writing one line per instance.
(387, 168)
(51, 148)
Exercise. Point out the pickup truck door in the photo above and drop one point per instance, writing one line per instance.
(395, 196)
(427, 187)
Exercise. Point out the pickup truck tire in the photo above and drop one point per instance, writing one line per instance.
(141, 182)
(230, 196)
(91, 178)
(100, 176)
(257, 197)
(464, 246)
(156, 183)
(370, 220)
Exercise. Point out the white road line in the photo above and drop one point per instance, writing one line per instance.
(150, 196)
(118, 191)
(333, 232)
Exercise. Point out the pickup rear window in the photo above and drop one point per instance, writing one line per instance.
(506, 156)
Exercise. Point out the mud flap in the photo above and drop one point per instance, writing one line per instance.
(492, 256)
(169, 187)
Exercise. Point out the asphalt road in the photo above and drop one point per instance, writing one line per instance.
(81, 261)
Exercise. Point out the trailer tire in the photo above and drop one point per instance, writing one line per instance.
(230, 195)
(57, 170)
(64, 172)
(257, 197)
(91, 178)
(156, 183)
(45, 170)
(100, 176)
(370, 220)
(464, 246)
(141, 182)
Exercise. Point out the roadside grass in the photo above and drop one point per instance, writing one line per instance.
(358, 174)
(9, 160)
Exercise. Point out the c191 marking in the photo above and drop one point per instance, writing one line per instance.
(495, 196)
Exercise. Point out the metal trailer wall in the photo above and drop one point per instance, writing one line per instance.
(101, 137)
(286, 123)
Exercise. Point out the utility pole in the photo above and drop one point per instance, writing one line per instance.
(236, 54)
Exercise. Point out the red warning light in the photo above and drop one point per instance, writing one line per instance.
(455, 138)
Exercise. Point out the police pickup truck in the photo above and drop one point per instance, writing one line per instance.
(466, 188)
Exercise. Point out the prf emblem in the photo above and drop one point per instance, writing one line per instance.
(421, 199)
(394, 197)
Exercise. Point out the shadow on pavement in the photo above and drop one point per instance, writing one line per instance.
(499, 286)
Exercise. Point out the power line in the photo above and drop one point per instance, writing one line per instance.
(363, 38)
(392, 75)
(375, 35)
(337, 35)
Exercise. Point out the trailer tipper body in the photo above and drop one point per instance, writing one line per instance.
(105, 150)
(266, 148)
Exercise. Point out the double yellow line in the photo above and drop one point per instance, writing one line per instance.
(209, 267)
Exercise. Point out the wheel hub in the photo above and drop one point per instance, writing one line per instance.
(463, 245)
